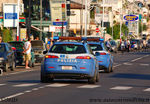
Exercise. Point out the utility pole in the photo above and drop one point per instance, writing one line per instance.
(85, 33)
(103, 22)
(40, 19)
(81, 20)
(112, 25)
(120, 20)
(18, 11)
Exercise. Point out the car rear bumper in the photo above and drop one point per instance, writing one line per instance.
(68, 76)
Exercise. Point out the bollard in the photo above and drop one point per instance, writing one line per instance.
(1, 72)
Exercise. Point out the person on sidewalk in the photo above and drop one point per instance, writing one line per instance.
(1, 39)
(27, 52)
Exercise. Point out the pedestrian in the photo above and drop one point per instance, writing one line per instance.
(122, 46)
(144, 45)
(108, 45)
(0, 39)
(27, 52)
(128, 45)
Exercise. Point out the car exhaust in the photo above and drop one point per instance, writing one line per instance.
(1, 72)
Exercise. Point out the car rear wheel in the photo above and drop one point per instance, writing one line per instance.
(6, 67)
(97, 77)
(13, 66)
(92, 80)
(108, 70)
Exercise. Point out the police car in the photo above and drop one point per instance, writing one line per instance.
(69, 59)
(105, 59)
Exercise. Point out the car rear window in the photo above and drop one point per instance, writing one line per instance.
(68, 49)
(96, 47)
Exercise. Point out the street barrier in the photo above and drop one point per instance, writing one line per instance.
(1, 72)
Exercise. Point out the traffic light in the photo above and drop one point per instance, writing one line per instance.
(68, 7)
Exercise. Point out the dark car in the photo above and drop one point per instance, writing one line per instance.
(7, 57)
(19, 53)
(136, 44)
(114, 47)
(38, 48)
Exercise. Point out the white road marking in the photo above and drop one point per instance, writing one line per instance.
(89, 86)
(57, 85)
(2, 84)
(121, 88)
(24, 85)
(144, 64)
(12, 96)
(28, 91)
(34, 89)
(127, 63)
(139, 58)
(136, 59)
(117, 65)
(148, 89)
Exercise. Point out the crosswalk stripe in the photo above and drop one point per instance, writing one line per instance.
(2, 84)
(148, 89)
(127, 63)
(144, 64)
(120, 88)
(25, 85)
(89, 86)
(57, 85)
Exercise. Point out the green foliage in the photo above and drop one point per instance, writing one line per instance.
(116, 31)
(144, 27)
(92, 13)
(7, 35)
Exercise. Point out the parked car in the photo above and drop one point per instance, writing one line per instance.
(136, 44)
(7, 57)
(148, 43)
(114, 47)
(19, 53)
(105, 59)
(73, 60)
(38, 48)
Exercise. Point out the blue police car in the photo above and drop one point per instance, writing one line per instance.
(70, 59)
(105, 59)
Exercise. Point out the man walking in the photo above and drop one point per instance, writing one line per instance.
(27, 52)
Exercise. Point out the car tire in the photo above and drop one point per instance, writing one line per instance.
(33, 64)
(92, 80)
(13, 66)
(112, 68)
(108, 70)
(30, 63)
(6, 67)
(97, 77)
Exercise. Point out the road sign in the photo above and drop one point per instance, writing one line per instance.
(59, 23)
(97, 30)
(131, 17)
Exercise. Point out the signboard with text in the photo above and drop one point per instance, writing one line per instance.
(131, 17)
(58, 10)
(10, 15)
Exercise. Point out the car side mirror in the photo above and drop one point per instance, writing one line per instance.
(97, 53)
(44, 52)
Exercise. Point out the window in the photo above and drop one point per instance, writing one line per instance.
(96, 47)
(68, 49)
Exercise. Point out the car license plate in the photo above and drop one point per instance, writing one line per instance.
(66, 67)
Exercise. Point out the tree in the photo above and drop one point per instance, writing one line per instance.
(116, 30)
(7, 35)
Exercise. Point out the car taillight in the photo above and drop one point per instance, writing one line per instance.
(83, 57)
(103, 53)
(51, 56)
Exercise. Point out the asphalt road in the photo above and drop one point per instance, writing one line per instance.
(128, 84)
